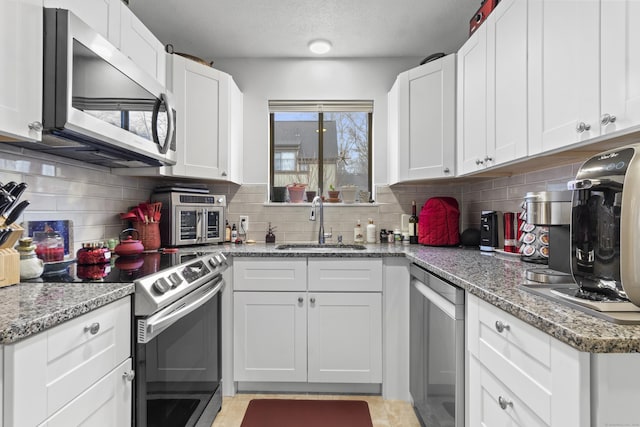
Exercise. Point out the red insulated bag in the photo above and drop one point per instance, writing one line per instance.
(438, 224)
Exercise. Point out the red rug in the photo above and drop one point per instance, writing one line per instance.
(307, 413)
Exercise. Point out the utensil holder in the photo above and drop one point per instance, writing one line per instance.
(149, 234)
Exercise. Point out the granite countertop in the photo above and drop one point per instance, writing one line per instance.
(28, 308)
(495, 278)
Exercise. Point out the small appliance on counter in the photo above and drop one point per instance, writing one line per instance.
(546, 235)
(191, 218)
(491, 231)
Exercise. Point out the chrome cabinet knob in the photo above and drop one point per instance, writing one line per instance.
(224, 173)
(607, 118)
(300, 300)
(504, 403)
(500, 326)
(93, 328)
(312, 300)
(479, 162)
(129, 375)
(446, 170)
(488, 159)
(583, 127)
(35, 126)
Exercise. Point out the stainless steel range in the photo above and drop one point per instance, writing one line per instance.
(178, 343)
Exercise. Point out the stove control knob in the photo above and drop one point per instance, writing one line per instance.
(214, 262)
(221, 259)
(175, 280)
(161, 285)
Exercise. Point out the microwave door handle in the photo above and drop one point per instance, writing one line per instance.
(199, 225)
(171, 124)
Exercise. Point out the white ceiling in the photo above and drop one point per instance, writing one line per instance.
(213, 29)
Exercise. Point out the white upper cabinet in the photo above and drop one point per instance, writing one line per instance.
(620, 65)
(141, 46)
(101, 15)
(507, 82)
(564, 73)
(21, 69)
(209, 125)
(472, 103)
(492, 90)
(422, 132)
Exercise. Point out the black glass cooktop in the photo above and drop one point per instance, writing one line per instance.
(118, 270)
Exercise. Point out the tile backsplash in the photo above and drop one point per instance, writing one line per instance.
(92, 198)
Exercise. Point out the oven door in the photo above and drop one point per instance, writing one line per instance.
(198, 225)
(178, 361)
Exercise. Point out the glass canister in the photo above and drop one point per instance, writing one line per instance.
(49, 245)
(31, 266)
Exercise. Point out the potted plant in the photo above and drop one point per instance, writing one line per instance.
(333, 194)
(348, 193)
(296, 192)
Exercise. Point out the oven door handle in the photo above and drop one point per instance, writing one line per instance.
(161, 321)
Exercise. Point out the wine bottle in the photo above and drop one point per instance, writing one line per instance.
(413, 224)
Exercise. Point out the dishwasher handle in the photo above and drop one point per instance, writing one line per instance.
(438, 300)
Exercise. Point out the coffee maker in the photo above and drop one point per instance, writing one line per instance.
(551, 209)
(605, 225)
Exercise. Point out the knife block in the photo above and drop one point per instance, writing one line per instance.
(9, 257)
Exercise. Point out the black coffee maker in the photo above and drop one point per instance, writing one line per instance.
(605, 224)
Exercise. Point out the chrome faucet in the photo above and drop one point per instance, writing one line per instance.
(317, 202)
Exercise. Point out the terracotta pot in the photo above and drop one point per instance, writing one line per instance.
(296, 193)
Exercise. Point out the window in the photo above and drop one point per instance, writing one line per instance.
(321, 144)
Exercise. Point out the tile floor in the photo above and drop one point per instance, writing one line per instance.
(384, 413)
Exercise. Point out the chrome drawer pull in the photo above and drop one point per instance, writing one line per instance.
(504, 403)
(500, 327)
(93, 329)
(300, 299)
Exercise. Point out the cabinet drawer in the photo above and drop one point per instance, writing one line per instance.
(107, 403)
(345, 275)
(52, 368)
(489, 392)
(269, 274)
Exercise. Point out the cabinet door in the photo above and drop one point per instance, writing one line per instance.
(620, 52)
(106, 404)
(507, 82)
(101, 15)
(345, 337)
(393, 148)
(472, 103)
(564, 77)
(427, 120)
(21, 69)
(270, 336)
(197, 90)
(139, 44)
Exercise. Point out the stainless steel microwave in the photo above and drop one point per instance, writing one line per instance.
(191, 218)
(98, 105)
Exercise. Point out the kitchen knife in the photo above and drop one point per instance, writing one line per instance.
(16, 212)
(9, 186)
(16, 192)
(6, 200)
(4, 235)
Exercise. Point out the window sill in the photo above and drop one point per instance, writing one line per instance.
(326, 204)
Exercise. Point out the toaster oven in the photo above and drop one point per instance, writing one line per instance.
(191, 218)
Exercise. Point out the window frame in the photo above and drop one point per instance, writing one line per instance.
(361, 106)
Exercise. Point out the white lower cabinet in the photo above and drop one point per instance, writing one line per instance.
(307, 335)
(520, 376)
(72, 373)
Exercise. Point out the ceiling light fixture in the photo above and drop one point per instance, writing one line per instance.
(320, 46)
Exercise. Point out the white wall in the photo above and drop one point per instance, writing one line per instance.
(263, 79)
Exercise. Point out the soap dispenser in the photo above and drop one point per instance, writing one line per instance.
(371, 232)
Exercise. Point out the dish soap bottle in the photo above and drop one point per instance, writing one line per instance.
(358, 237)
(371, 232)
(270, 237)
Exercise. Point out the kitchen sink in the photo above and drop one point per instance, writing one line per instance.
(320, 247)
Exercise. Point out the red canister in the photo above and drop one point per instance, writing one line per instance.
(510, 232)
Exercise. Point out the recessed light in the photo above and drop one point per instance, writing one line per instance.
(320, 46)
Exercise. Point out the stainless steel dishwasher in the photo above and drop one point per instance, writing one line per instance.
(436, 350)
